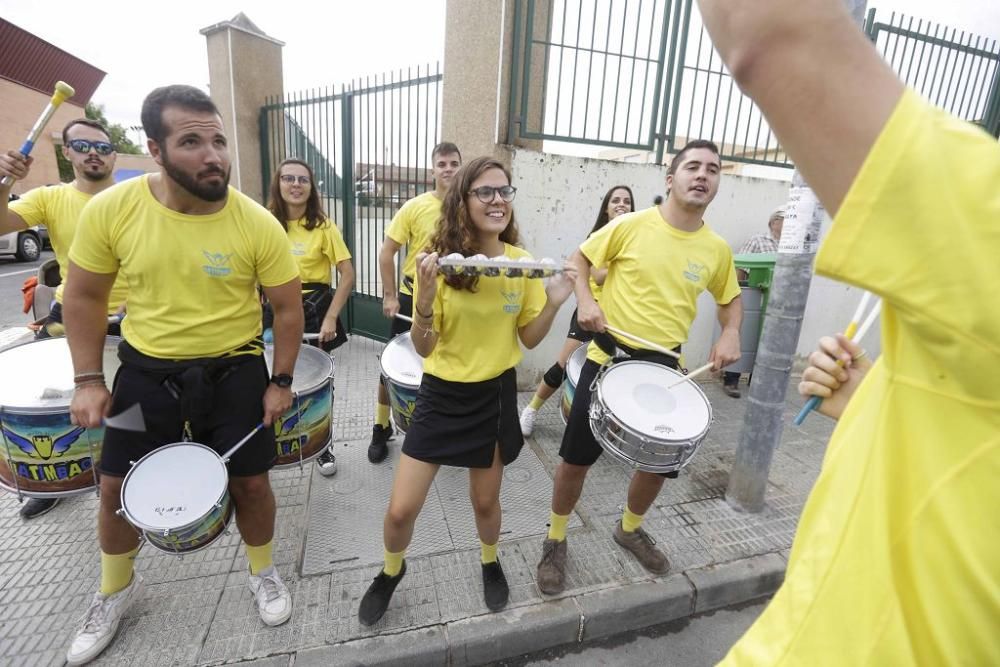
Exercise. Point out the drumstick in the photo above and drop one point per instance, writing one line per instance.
(404, 318)
(649, 344)
(310, 336)
(696, 372)
(63, 92)
(225, 457)
(854, 333)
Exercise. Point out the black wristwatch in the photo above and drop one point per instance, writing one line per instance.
(283, 380)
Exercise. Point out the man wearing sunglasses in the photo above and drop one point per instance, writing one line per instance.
(87, 146)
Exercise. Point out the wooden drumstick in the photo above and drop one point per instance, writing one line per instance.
(651, 345)
(404, 318)
(690, 376)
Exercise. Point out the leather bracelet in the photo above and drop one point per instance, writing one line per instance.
(426, 317)
(87, 375)
(88, 383)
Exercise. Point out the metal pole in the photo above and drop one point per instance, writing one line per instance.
(763, 423)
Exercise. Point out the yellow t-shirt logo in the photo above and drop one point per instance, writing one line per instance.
(694, 271)
(513, 305)
(217, 262)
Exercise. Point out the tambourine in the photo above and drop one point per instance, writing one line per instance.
(480, 265)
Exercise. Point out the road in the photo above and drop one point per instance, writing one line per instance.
(12, 276)
(699, 641)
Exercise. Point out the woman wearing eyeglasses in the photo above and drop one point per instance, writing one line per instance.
(617, 201)
(316, 245)
(467, 328)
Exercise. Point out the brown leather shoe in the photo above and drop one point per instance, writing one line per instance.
(731, 390)
(551, 575)
(643, 548)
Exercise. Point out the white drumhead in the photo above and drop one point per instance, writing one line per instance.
(40, 374)
(636, 393)
(313, 367)
(575, 364)
(173, 486)
(401, 363)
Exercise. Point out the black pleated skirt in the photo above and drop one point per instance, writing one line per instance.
(461, 423)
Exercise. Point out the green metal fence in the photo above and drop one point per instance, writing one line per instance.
(370, 147)
(957, 71)
(645, 76)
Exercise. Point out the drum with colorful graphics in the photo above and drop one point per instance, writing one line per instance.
(178, 497)
(43, 454)
(574, 366)
(402, 369)
(305, 430)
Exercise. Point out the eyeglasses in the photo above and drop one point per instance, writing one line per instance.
(486, 193)
(84, 146)
(291, 179)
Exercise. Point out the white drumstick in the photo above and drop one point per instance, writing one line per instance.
(310, 336)
(404, 318)
(651, 345)
(690, 376)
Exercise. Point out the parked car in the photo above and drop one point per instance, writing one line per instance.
(25, 245)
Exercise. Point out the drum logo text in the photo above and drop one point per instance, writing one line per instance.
(51, 472)
(216, 266)
(170, 511)
(663, 428)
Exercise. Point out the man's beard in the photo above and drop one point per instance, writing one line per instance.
(203, 191)
(96, 176)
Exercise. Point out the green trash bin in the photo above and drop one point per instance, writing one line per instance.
(756, 288)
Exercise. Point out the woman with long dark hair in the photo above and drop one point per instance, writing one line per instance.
(467, 328)
(316, 245)
(617, 201)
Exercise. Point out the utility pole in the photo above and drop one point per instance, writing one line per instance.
(762, 424)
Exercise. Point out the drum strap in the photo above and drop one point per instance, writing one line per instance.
(191, 381)
(649, 355)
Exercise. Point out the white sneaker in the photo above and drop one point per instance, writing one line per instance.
(100, 623)
(274, 602)
(528, 421)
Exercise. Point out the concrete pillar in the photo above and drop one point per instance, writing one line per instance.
(244, 66)
(478, 51)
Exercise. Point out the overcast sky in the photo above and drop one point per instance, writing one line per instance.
(142, 45)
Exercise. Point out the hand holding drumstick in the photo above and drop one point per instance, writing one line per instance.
(834, 373)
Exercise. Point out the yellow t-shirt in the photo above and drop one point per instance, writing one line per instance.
(896, 560)
(58, 207)
(655, 274)
(413, 226)
(192, 278)
(316, 251)
(477, 331)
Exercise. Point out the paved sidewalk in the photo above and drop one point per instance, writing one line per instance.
(197, 610)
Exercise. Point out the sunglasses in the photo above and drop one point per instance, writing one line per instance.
(290, 179)
(486, 193)
(84, 146)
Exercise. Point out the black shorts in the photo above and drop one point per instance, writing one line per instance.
(579, 446)
(576, 333)
(237, 408)
(462, 423)
(397, 325)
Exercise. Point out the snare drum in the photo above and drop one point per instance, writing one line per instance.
(402, 369)
(302, 433)
(178, 496)
(44, 455)
(641, 422)
(573, 368)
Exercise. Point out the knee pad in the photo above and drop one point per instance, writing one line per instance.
(554, 376)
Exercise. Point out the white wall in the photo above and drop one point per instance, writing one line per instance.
(557, 203)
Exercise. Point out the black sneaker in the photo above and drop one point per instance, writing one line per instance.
(377, 597)
(379, 447)
(36, 507)
(495, 588)
(327, 463)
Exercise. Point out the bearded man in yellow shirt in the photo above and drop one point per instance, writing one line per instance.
(658, 261)
(87, 147)
(193, 251)
(895, 560)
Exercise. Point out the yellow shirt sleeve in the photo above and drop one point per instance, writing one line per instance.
(400, 228)
(336, 248)
(32, 207)
(724, 286)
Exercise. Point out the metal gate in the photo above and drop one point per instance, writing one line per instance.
(369, 146)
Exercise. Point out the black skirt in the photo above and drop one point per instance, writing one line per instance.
(461, 423)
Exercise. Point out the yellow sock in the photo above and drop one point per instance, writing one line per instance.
(557, 526)
(536, 402)
(488, 552)
(260, 557)
(630, 521)
(382, 415)
(393, 562)
(116, 571)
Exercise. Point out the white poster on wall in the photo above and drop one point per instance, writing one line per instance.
(804, 215)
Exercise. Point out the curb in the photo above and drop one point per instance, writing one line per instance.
(538, 627)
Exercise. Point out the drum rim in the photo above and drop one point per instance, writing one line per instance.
(315, 351)
(160, 531)
(387, 373)
(577, 351)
